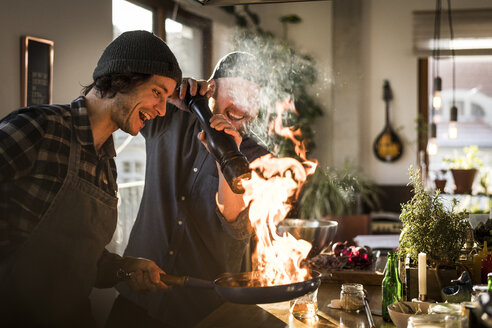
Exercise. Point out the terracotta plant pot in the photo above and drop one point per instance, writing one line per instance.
(463, 180)
(440, 184)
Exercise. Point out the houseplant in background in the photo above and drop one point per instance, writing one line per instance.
(464, 169)
(340, 195)
(432, 228)
(440, 180)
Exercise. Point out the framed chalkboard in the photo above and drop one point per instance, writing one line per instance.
(37, 71)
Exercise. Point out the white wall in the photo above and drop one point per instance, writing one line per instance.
(312, 36)
(79, 29)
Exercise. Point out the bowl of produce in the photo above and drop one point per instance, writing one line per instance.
(342, 256)
(319, 234)
(401, 311)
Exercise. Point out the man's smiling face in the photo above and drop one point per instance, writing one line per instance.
(145, 102)
(237, 99)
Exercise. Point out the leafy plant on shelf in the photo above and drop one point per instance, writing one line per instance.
(464, 169)
(469, 160)
(429, 227)
(333, 192)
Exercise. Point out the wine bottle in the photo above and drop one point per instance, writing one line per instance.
(391, 285)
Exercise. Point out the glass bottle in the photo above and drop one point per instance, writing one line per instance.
(489, 282)
(477, 264)
(391, 285)
(486, 268)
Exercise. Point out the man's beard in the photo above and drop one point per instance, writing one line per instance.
(243, 129)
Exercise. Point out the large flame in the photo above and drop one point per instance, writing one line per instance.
(269, 192)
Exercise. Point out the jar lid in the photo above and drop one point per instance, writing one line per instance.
(353, 287)
(479, 288)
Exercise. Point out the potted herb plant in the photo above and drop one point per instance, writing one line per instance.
(464, 169)
(440, 180)
(432, 228)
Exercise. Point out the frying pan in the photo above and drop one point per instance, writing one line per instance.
(243, 288)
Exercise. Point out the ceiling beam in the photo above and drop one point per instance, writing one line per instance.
(245, 2)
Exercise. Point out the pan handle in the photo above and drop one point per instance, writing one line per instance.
(326, 276)
(173, 280)
(185, 281)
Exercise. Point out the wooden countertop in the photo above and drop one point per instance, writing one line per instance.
(277, 314)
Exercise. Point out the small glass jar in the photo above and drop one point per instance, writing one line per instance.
(427, 321)
(445, 308)
(437, 321)
(352, 297)
(477, 291)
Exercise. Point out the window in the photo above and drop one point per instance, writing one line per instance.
(126, 167)
(187, 44)
(189, 37)
(473, 97)
(128, 16)
(472, 44)
(139, 167)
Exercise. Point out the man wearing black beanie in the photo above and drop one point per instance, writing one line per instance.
(58, 188)
(190, 222)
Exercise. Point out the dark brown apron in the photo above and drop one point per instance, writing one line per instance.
(51, 276)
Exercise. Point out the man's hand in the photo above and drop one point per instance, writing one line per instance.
(144, 275)
(202, 87)
(220, 123)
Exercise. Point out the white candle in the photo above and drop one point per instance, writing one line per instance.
(422, 274)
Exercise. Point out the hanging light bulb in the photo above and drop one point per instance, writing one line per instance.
(432, 147)
(436, 99)
(453, 115)
(453, 123)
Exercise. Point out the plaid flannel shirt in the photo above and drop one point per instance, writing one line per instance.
(34, 152)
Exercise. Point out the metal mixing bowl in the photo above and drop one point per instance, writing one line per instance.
(318, 233)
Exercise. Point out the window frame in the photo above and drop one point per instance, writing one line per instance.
(165, 9)
(424, 105)
(423, 109)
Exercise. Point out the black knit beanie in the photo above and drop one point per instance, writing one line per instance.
(138, 52)
(239, 64)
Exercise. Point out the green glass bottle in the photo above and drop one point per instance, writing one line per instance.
(391, 285)
(489, 281)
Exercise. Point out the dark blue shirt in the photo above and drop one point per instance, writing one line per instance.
(178, 225)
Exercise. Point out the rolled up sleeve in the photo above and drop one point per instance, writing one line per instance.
(241, 228)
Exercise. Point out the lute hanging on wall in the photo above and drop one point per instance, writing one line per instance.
(387, 146)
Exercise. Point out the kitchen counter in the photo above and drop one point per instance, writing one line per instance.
(277, 314)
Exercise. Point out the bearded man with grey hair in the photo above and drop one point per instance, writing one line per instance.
(190, 222)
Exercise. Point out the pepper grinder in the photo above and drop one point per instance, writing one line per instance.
(233, 164)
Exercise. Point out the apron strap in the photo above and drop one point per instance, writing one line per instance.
(75, 147)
